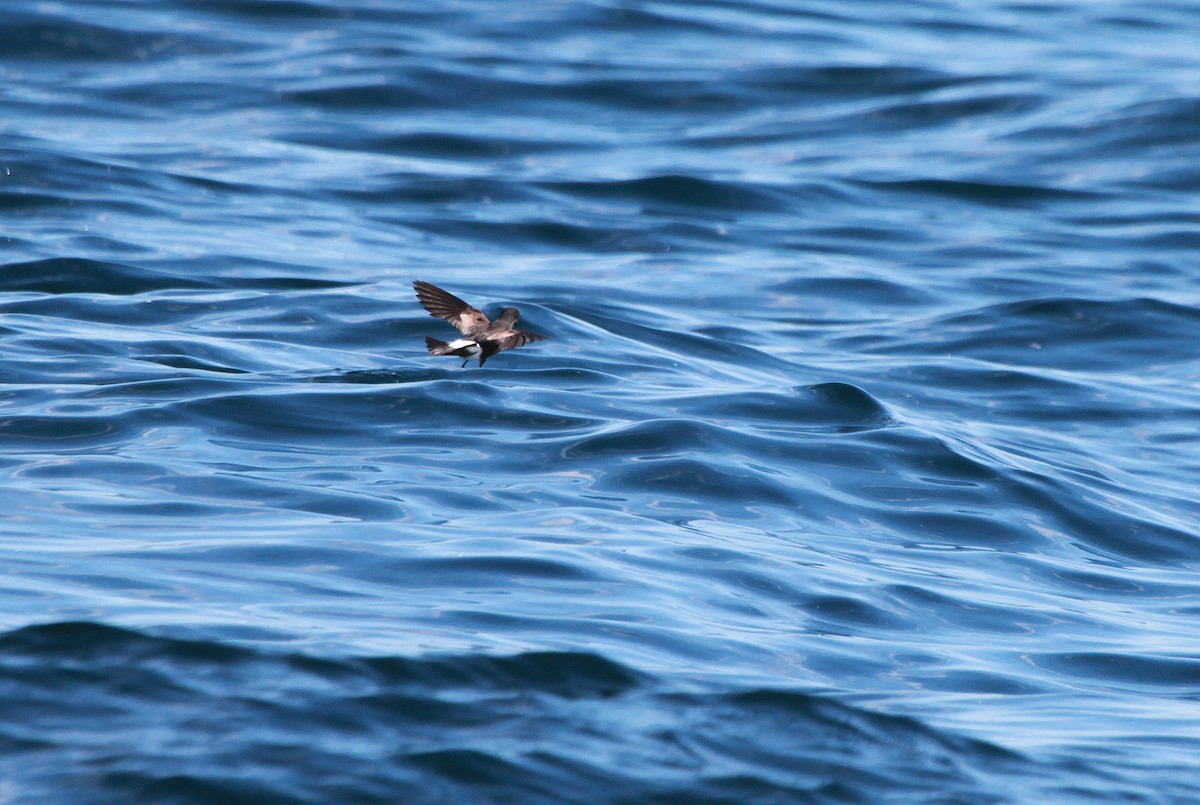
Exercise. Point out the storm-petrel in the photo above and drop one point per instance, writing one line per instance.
(481, 338)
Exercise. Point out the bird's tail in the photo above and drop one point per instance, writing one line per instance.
(436, 347)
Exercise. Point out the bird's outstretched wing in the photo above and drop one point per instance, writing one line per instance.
(443, 305)
(519, 338)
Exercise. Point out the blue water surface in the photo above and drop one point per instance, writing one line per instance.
(861, 464)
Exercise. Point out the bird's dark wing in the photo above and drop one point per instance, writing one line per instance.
(518, 338)
(442, 305)
(505, 321)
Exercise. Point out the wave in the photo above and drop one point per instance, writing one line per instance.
(302, 728)
(859, 464)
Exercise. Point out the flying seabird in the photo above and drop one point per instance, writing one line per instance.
(481, 338)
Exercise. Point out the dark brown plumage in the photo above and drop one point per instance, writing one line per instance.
(482, 338)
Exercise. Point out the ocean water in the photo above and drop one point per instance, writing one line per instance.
(861, 464)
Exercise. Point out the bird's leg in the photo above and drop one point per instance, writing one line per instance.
(464, 366)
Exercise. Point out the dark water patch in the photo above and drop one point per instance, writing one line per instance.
(1180, 239)
(1161, 17)
(35, 37)
(548, 235)
(26, 201)
(669, 96)
(935, 460)
(924, 114)
(453, 145)
(166, 99)
(984, 684)
(85, 181)
(853, 291)
(677, 192)
(189, 356)
(67, 432)
(699, 346)
(257, 489)
(99, 244)
(391, 414)
(1141, 671)
(841, 81)
(970, 528)
(569, 675)
(373, 376)
(1111, 584)
(298, 416)
(966, 28)
(685, 347)
(690, 482)
(1081, 334)
(1127, 535)
(825, 407)
(1148, 124)
(725, 334)
(591, 376)
(77, 275)
(468, 86)
(622, 20)
(910, 485)
(787, 769)
(1167, 121)
(1124, 328)
(445, 719)
(926, 607)
(186, 362)
(849, 399)
(478, 569)
(467, 404)
(941, 492)
(278, 10)
(992, 194)
(220, 186)
(1028, 392)
(84, 641)
(846, 615)
(766, 585)
(864, 241)
(279, 279)
(352, 97)
(1098, 522)
(658, 438)
(152, 494)
(409, 188)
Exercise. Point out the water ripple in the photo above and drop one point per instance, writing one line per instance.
(858, 465)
